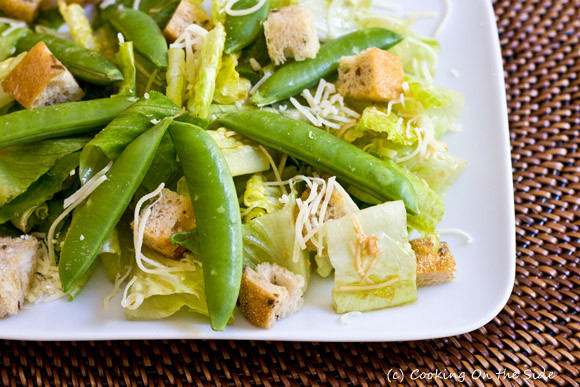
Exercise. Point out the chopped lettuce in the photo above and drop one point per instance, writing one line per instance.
(270, 238)
(260, 199)
(165, 294)
(242, 155)
(202, 92)
(176, 75)
(79, 25)
(22, 165)
(375, 279)
(378, 119)
(415, 50)
(9, 41)
(229, 87)
(440, 170)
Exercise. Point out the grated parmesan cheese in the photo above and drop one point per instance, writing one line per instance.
(255, 65)
(260, 82)
(119, 279)
(344, 319)
(444, 19)
(242, 12)
(106, 3)
(45, 282)
(468, 238)
(326, 107)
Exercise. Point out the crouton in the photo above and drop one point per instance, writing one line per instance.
(25, 10)
(185, 14)
(434, 265)
(291, 33)
(173, 213)
(269, 293)
(374, 75)
(17, 265)
(41, 80)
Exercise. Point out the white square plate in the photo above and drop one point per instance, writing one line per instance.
(481, 203)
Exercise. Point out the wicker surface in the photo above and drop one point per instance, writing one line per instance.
(538, 329)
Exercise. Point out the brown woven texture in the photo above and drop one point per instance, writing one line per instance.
(539, 329)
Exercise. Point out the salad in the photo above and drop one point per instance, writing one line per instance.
(209, 161)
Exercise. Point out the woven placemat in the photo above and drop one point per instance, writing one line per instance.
(538, 330)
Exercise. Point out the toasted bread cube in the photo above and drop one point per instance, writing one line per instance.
(185, 14)
(26, 10)
(269, 293)
(434, 265)
(374, 75)
(291, 33)
(17, 265)
(173, 213)
(41, 80)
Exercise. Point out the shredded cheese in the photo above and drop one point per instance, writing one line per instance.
(119, 279)
(134, 300)
(326, 107)
(386, 5)
(260, 82)
(255, 65)
(121, 38)
(242, 12)
(468, 238)
(366, 250)
(344, 319)
(136, 4)
(444, 19)
(45, 282)
(106, 3)
(356, 288)
(72, 202)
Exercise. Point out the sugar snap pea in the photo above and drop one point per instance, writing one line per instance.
(291, 78)
(325, 151)
(83, 63)
(65, 119)
(142, 30)
(94, 220)
(217, 214)
(243, 30)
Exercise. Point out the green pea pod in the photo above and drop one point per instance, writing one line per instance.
(108, 144)
(83, 63)
(291, 78)
(243, 30)
(94, 220)
(325, 151)
(126, 60)
(61, 120)
(217, 214)
(142, 30)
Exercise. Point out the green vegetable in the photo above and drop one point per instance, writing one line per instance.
(243, 156)
(243, 30)
(108, 144)
(440, 170)
(41, 190)
(83, 63)
(106, 205)
(141, 29)
(126, 60)
(391, 269)
(60, 120)
(176, 76)
(261, 198)
(164, 295)
(416, 49)
(270, 238)
(203, 89)
(22, 165)
(323, 150)
(217, 214)
(291, 78)
(377, 119)
(229, 87)
(8, 42)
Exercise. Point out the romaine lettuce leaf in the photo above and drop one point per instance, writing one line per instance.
(416, 49)
(270, 238)
(22, 165)
(242, 155)
(440, 170)
(262, 199)
(377, 280)
(24, 208)
(378, 119)
(229, 87)
(164, 295)
(204, 85)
